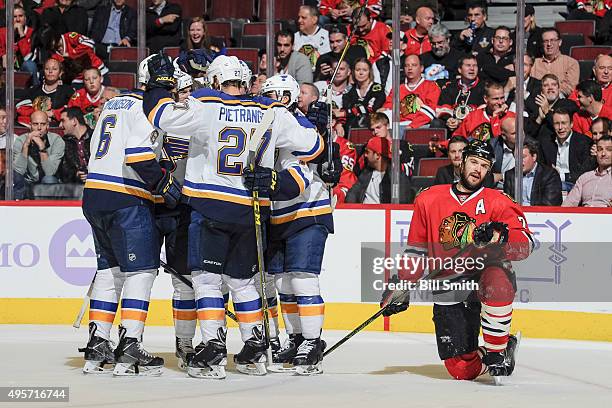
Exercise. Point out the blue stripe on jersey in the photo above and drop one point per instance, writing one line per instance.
(210, 303)
(221, 189)
(114, 179)
(184, 304)
(304, 122)
(301, 173)
(312, 151)
(210, 94)
(298, 206)
(249, 306)
(133, 150)
(159, 113)
(287, 298)
(134, 304)
(102, 305)
(309, 300)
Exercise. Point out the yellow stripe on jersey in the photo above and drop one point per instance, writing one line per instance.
(136, 158)
(298, 179)
(215, 195)
(301, 213)
(160, 103)
(238, 102)
(135, 191)
(315, 154)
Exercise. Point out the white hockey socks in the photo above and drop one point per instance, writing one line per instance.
(135, 301)
(495, 319)
(104, 300)
(209, 304)
(247, 304)
(311, 307)
(272, 302)
(288, 303)
(183, 309)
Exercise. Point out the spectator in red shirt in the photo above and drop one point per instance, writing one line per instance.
(418, 39)
(370, 34)
(90, 96)
(340, 11)
(24, 58)
(591, 107)
(485, 122)
(602, 70)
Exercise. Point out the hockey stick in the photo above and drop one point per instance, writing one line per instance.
(387, 304)
(254, 143)
(183, 279)
(77, 321)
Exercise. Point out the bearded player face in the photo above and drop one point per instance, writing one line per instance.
(473, 172)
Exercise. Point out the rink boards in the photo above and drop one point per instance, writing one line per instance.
(47, 262)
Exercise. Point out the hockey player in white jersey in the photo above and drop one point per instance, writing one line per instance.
(222, 245)
(298, 231)
(118, 204)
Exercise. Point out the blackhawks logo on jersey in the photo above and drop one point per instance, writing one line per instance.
(311, 52)
(456, 230)
(483, 132)
(410, 104)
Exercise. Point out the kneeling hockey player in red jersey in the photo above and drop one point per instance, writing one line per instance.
(489, 227)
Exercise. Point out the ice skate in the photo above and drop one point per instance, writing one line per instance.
(252, 358)
(282, 357)
(99, 353)
(131, 359)
(502, 364)
(184, 352)
(309, 357)
(210, 359)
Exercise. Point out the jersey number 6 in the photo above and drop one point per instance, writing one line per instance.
(236, 140)
(108, 123)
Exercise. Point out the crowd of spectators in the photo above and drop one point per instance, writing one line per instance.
(461, 82)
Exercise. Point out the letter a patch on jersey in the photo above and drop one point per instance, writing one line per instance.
(480, 207)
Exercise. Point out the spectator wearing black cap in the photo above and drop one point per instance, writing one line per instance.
(532, 42)
(337, 41)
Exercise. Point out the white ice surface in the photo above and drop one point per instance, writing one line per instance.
(373, 369)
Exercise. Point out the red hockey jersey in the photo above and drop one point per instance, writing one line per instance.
(582, 120)
(416, 45)
(443, 223)
(81, 99)
(76, 46)
(23, 46)
(375, 42)
(348, 155)
(417, 103)
(606, 95)
(478, 125)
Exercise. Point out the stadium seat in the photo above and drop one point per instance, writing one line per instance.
(586, 69)
(122, 80)
(258, 28)
(423, 136)
(569, 41)
(253, 41)
(589, 52)
(124, 54)
(248, 55)
(283, 10)
(231, 9)
(428, 167)
(172, 52)
(222, 29)
(22, 80)
(359, 136)
(584, 27)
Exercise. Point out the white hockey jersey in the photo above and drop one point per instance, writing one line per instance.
(122, 136)
(312, 206)
(219, 126)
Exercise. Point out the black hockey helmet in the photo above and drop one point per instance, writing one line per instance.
(480, 149)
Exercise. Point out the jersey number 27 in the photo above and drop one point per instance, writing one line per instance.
(236, 140)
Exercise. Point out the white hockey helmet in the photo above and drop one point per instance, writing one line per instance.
(143, 70)
(246, 74)
(183, 79)
(224, 68)
(282, 83)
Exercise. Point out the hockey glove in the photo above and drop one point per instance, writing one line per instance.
(318, 115)
(161, 72)
(169, 189)
(490, 233)
(397, 300)
(260, 179)
(329, 176)
(195, 62)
